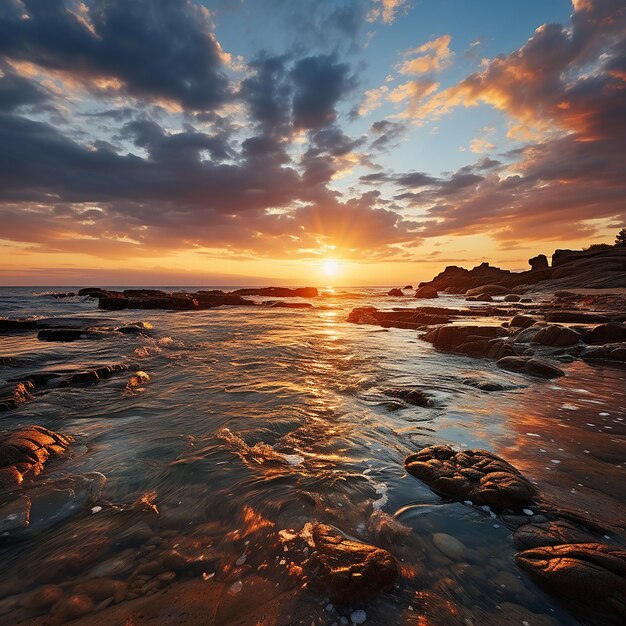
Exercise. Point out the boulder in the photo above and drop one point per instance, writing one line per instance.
(426, 292)
(407, 287)
(539, 368)
(539, 262)
(350, 571)
(550, 533)
(466, 339)
(277, 304)
(13, 325)
(168, 302)
(512, 297)
(522, 321)
(24, 452)
(395, 292)
(605, 333)
(406, 318)
(476, 475)
(482, 297)
(560, 336)
(13, 396)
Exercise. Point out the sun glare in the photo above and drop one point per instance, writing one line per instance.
(331, 267)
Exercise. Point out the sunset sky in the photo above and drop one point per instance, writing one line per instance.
(351, 142)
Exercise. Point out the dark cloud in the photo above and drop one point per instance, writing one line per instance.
(387, 134)
(320, 82)
(16, 91)
(162, 49)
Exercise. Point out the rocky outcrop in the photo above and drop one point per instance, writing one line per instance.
(12, 396)
(426, 292)
(607, 352)
(538, 263)
(24, 452)
(347, 570)
(532, 366)
(395, 292)
(168, 302)
(16, 325)
(489, 290)
(458, 280)
(476, 475)
(605, 333)
(522, 321)
(477, 341)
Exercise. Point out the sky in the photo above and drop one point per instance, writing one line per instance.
(346, 142)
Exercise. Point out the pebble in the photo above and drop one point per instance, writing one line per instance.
(358, 617)
(449, 546)
(96, 509)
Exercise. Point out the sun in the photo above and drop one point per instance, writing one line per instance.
(331, 267)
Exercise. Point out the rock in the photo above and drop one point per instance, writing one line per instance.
(45, 596)
(608, 352)
(522, 321)
(556, 336)
(14, 515)
(24, 452)
(137, 379)
(407, 287)
(13, 325)
(72, 607)
(406, 318)
(277, 304)
(477, 341)
(528, 334)
(483, 297)
(511, 297)
(577, 317)
(210, 301)
(550, 533)
(426, 292)
(475, 475)
(136, 328)
(490, 290)
(585, 573)
(450, 546)
(606, 333)
(395, 292)
(279, 292)
(539, 262)
(487, 385)
(66, 334)
(13, 396)
(101, 588)
(410, 396)
(350, 571)
(167, 302)
(95, 292)
(532, 366)
(144, 293)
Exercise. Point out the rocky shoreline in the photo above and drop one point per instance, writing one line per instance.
(127, 572)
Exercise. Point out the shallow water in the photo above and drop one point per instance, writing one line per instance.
(261, 420)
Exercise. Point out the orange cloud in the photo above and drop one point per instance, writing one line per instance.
(433, 56)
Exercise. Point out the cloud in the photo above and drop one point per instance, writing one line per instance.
(433, 56)
(159, 49)
(373, 99)
(385, 10)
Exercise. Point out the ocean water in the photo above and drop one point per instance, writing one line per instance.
(257, 421)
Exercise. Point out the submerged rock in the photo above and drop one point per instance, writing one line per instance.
(476, 475)
(477, 341)
(350, 571)
(550, 533)
(539, 368)
(407, 318)
(279, 292)
(24, 452)
(13, 325)
(410, 396)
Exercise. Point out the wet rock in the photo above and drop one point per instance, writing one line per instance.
(408, 318)
(522, 321)
(61, 296)
(279, 292)
(482, 297)
(488, 385)
(14, 515)
(477, 341)
(101, 588)
(512, 297)
(475, 475)
(350, 571)
(556, 336)
(167, 302)
(426, 292)
(591, 574)
(550, 533)
(608, 352)
(410, 396)
(72, 607)
(577, 317)
(136, 328)
(67, 334)
(395, 292)
(137, 379)
(407, 287)
(45, 596)
(532, 366)
(13, 325)
(277, 304)
(490, 290)
(528, 334)
(606, 333)
(13, 396)
(95, 292)
(24, 452)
